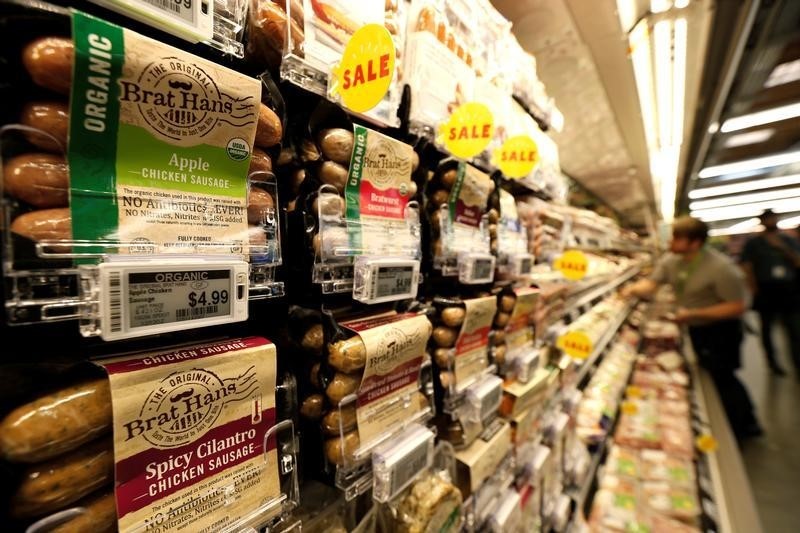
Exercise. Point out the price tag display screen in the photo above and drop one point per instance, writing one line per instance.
(392, 281)
(482, 269)
(155, 298)
(525, 266)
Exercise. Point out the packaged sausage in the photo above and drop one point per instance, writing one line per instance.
(360, 193)
(460, 341)
(513, 350)
(456, 203)
(199, 424)
(167, 154)
(439, 77)
(56, 423)
(514, 261)
(481, 459)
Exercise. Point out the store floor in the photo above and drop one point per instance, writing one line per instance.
(773, 461)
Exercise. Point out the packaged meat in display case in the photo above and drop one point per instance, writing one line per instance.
(194, 433)
(368, 383)
(165, 164)
(359, 193)
(456, 203)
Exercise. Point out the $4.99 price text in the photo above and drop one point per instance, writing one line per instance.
(205, 298)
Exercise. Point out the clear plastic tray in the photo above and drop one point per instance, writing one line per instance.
(308, 58)
(354, 475)
(219, 24)
(462, 245)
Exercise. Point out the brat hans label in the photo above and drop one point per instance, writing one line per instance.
(160, 144)
(189, 428)
(395, 347)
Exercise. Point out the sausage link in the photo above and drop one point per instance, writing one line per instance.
(57, 422)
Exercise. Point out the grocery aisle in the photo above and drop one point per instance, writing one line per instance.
(773, 461)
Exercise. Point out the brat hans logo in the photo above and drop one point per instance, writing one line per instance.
(181, 100)
(385, 164)
(185, 404)
(394, 344)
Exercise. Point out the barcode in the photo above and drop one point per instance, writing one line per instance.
(171, 5)
(115, 300)
(195, 312)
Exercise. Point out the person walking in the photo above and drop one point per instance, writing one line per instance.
(771, 261)
(710, 293)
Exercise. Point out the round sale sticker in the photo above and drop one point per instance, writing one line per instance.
(572, 264)
(575, 344)
(517, 157)
(469, 130)
(363, 76)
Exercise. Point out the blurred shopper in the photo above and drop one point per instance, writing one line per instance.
(710, 293)
(771, 261)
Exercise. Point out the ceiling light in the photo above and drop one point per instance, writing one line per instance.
(751, 137)
(789, 223)
(759, 118)
(745, 186)
(713, 128)
(747, 199)
(680, 4)
(662, 38)
(746, 210)
(678, 80)
(784, 73)
(785, 158)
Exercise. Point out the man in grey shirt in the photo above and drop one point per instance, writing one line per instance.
(710, 293)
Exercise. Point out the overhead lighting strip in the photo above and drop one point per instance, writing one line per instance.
(759, 118)
(740, 199)
(747, 165)
(745, 186)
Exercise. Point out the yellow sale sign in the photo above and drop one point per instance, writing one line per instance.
(575, 344)
(365, 73)
(573, 264)
(468, 131)
(517, 157)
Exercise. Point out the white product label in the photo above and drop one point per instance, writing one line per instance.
(146, 299)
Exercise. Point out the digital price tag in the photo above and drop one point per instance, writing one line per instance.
(140, 297)
(475, 268)
(527, 363)
(377, 280)
(485, 397)
(396, 463)
(192, 20)
(520, 265)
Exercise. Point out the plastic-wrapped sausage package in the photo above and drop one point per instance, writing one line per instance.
(127, 146)
(188, 433)
(456, 202)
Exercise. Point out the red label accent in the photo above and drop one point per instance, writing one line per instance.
(385, 203)
(137, 477)
(190, 353)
